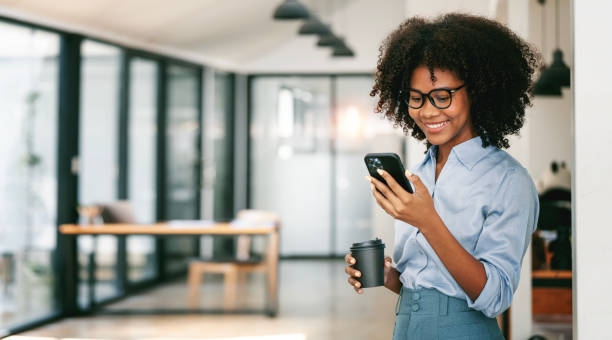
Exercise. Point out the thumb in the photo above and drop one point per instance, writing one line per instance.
(415, 180)
(388, 261)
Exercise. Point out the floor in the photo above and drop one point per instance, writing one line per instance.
(315, 303)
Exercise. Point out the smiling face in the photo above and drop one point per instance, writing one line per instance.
(443, 127)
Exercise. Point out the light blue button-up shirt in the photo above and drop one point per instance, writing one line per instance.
(489, 203)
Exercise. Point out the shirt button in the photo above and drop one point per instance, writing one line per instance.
(415, 307)
(416, 296)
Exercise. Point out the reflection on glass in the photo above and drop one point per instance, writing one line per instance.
(142, 165)
(98, 160)
(359, 131)
(291, 159)
(28, 126)
(182, 158)
(311, 171)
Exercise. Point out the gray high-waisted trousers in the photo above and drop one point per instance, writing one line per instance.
(426, 314)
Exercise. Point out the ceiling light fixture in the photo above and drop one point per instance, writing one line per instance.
(314, 26)
(329, 40)
(557, 75)
(342, 50)
(291, 10)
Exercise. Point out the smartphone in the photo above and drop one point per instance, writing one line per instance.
(391, 163)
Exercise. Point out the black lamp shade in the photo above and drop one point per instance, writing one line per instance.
(290, 10)
(329, 40)
(554, 77)
(314, 26)
(343, 51)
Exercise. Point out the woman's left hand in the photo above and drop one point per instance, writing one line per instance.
(415, 209)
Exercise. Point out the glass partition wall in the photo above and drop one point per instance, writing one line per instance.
(142, 160)
(183, 160)
(28, 180)
(98, 165)
(109, 99)
(308, 137)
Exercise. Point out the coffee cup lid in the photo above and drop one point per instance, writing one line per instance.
(377, 243)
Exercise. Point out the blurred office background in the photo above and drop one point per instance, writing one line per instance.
(198, 109)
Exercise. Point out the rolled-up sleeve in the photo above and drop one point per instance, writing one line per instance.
(505, 236)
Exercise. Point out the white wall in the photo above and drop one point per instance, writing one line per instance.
(593, 166)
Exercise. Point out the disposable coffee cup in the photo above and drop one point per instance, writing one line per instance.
(370, 257)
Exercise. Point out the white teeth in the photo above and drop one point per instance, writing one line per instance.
(435, 126)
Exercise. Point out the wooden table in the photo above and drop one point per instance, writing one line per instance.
(71, 231)
(551, 293)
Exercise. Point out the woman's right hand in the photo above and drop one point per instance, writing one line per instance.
(353, 273)
(392, 281)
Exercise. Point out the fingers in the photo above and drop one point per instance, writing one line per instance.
(416, 182)
(388, 262)
(354, 282)
(349, 259)
(383, 202)
(392, 183)
(382, 187)
(356, 285)
(352, 271)
(387, 193)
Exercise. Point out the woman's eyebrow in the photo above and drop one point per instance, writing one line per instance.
(435, 88)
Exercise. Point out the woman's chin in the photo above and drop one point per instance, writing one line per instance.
(436, 140)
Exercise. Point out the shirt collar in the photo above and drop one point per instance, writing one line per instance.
(469, 152)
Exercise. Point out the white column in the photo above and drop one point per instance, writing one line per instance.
(520, 311)
(592, 186)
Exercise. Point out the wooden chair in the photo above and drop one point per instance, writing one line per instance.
(235, 270)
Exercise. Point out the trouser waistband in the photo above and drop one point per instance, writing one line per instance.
(427, 301)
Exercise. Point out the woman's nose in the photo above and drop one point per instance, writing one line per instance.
(428, 110)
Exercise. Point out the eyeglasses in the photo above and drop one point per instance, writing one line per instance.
(440, 98)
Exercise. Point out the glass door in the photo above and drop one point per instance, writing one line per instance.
(183, 159)
(142, 163)
(359, 131)
(98, 164)
(291, 160)
(28, 180)
(307, 160)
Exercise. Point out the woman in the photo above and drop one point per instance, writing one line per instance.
(462, 83)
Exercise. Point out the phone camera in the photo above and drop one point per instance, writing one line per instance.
(375, 163)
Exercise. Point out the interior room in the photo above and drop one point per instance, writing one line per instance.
(195, 169)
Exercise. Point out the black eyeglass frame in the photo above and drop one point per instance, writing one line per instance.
(431, 100)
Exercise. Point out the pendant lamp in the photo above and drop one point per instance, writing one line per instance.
(314, 26)
(557, 75)
(342, 50)
(290, 10)
(329, 40)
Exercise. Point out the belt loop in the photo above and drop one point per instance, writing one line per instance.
(399, 299)
(443, 301)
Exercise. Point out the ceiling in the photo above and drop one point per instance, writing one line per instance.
(239, 35)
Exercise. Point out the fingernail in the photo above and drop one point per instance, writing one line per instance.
(408, 173)
(380, 172)
(361, 291)
(357, 284)
(358, 274)
(372, 187)
(368, 179)
(352, 261)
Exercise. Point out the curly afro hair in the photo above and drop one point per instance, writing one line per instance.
(495, 64)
